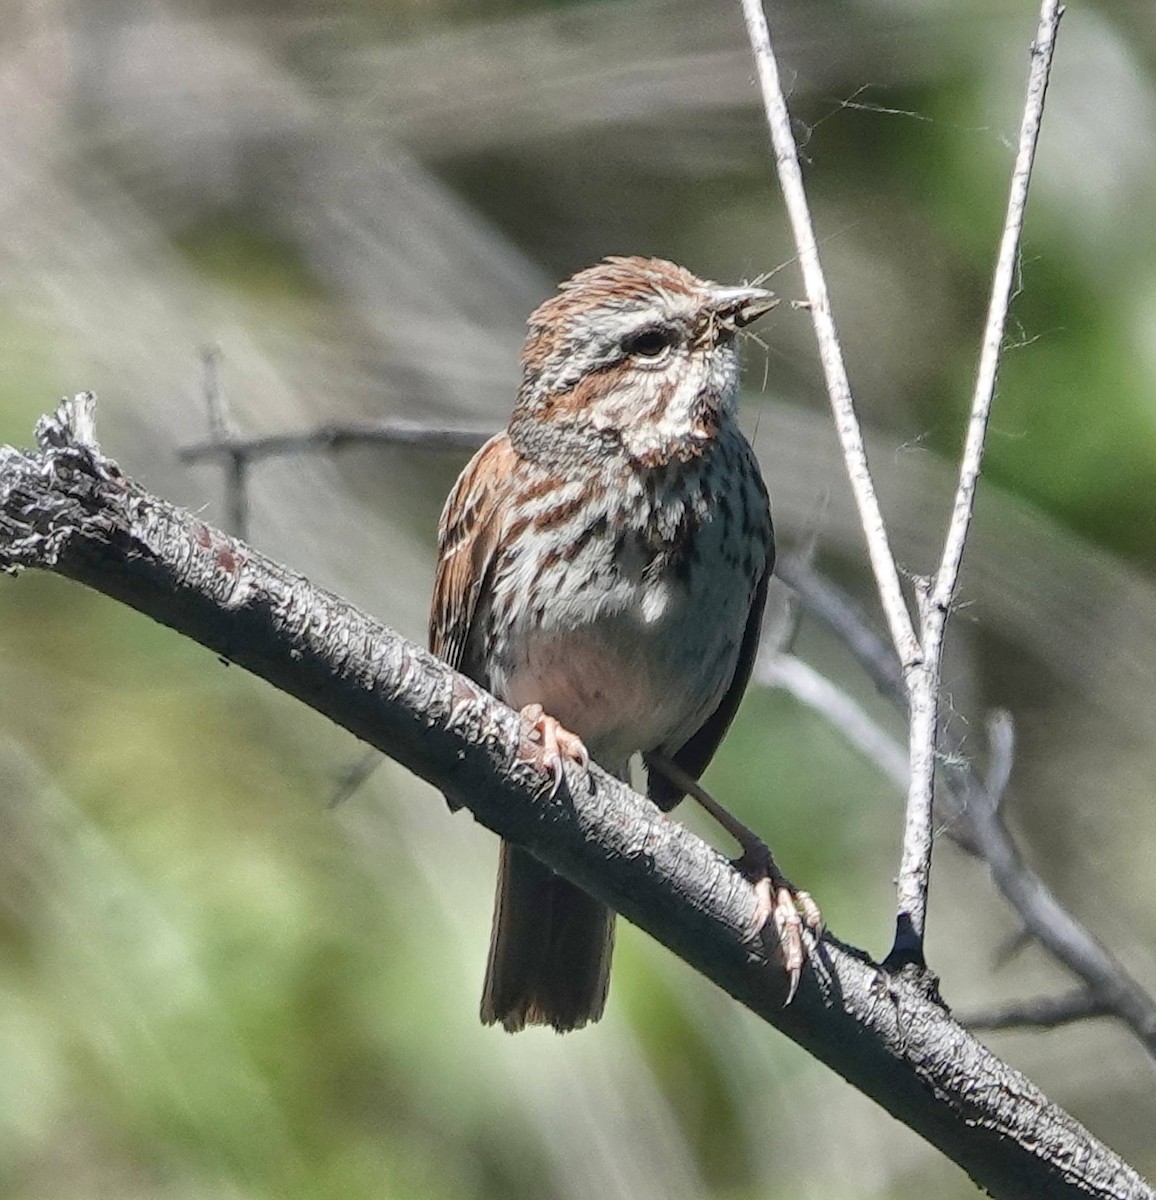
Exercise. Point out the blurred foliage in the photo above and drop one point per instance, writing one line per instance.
(211, 985)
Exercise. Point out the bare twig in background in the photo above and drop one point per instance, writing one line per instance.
(237, 454)
(1001, 747)
(920, 654)
(973, 821)
(67, 509)
(323, 439)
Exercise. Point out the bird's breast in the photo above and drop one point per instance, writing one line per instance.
(624, 620)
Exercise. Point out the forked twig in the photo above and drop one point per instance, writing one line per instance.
(920, 653)
(237, 454)
(937, 595)
(973, 822)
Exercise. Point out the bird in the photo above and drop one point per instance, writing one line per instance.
(602, 567)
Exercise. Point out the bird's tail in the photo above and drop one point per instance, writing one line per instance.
(550, 949)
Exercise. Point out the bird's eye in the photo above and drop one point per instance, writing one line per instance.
(648, 343)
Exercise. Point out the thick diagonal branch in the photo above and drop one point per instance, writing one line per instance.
(68, 510)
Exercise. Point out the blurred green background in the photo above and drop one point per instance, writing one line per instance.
(211, 985)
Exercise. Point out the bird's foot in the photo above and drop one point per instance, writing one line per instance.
(781, 908)
(552, 743)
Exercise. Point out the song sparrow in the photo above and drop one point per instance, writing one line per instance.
(603, 566)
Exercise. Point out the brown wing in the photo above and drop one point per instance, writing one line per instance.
(697, 752)
(468, 534)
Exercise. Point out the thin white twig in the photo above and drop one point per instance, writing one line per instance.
(1001, 740)
(936, 595)
(1043, 50)
(830, 353)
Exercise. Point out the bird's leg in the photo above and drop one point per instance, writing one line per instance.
(777, 897)
(554, 742)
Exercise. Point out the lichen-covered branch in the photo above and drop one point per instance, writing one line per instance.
(67, 509)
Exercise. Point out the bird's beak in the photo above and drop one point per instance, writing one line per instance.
(739, 306)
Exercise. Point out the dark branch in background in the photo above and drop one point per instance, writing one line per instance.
(918, 642)
(325, 438)
(974, 821)
(69, 510)
(239, 453)
(1047, 1012)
